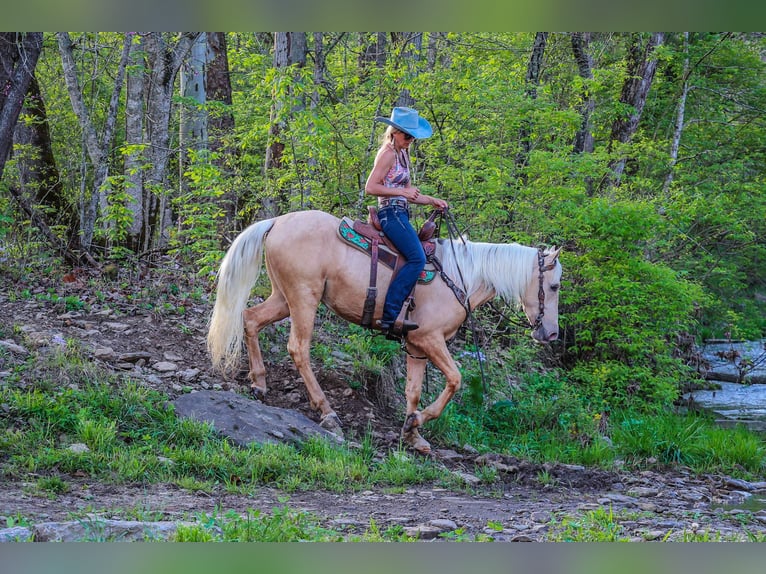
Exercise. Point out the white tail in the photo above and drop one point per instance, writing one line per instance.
(238, 273)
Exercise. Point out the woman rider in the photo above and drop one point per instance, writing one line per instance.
(391, 183)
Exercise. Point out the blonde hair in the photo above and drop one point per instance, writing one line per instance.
(388, 135)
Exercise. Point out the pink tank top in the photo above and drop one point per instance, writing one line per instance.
(398, 175)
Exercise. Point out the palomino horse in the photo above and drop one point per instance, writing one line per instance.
(308, 263)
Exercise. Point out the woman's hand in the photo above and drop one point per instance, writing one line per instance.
(439, 204)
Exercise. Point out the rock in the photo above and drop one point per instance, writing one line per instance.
(642, 492)
(103, 353)
(467, 477)
(189, 375)
(134, 357)
(165, 367)
(12, 347)
(172, 357)
(15, 534)
(114, 326)
(444, 524)
(79, 448)
(541, 516)
(245, 421)
(447, 454)
(97, 529)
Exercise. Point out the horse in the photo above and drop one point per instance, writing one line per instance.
(308, 262)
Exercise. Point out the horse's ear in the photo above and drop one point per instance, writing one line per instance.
(553, 252)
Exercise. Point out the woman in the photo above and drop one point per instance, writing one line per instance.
(391, 183)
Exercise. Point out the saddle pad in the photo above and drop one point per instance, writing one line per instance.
(348, 234)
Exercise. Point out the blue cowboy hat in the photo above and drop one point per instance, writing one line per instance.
(408, 121)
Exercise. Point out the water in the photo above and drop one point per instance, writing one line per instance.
(735, 403)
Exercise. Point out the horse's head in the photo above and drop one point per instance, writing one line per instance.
(541, 299)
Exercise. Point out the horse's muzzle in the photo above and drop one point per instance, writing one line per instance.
(541, 335)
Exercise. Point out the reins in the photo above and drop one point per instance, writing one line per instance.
(454, 233)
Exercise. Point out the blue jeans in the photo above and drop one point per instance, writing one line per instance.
(395, 222)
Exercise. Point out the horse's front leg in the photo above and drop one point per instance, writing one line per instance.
(298, 345)
(443, 361)
(416, 369)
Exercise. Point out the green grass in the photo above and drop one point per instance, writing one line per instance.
(131, 434)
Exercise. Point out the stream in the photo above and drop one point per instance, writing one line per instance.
(735, 403)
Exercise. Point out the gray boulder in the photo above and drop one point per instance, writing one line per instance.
(245, 420)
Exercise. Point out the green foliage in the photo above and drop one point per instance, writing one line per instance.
(200, 213)
(600, 525)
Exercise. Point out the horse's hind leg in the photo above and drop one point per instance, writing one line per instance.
(256, 318)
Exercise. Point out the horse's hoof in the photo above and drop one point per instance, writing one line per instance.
(257, 393)
(417, 442)
(412, 421)
(331, 423)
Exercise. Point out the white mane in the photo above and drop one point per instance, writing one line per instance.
(505, 268)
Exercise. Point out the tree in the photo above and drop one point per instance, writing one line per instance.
(19, 53)
(38, 173)
(534, 68)
(221, 117)
(289, 50)
(98, 147)
(165, 55)
(642, 64)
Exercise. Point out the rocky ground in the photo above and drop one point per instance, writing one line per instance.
(163, 344)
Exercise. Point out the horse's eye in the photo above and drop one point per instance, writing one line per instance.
(555, 287)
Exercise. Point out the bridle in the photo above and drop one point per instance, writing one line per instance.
(542, 267)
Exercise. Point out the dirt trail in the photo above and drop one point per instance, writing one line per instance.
(165, 347)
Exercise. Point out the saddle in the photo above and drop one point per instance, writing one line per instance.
(368, 236)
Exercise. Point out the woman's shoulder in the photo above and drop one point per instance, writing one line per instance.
(386, 153)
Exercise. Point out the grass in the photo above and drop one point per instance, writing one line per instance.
(131, 434)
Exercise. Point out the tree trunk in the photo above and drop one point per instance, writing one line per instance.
(581, 49)
(638, 80)
(534, 69)
(38, 174)
(583, 141)
(193, 125)
(18, 57)
(98, 149)
(289, 49)
(411, 47)
(134, 139)
(679, 124)
(221, 118)
(165, 60)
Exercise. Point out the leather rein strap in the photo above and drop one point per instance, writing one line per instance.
(372, 290)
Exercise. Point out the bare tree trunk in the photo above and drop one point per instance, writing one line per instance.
(638, 80)
(534, 69)
(98, 149)
(411, 47)
(679, 124)
(165, 60)
(434, 53)
(193, 124)
(583, 141)
(581, 49)
(221, 119)
(134, 138)
(275, 147)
